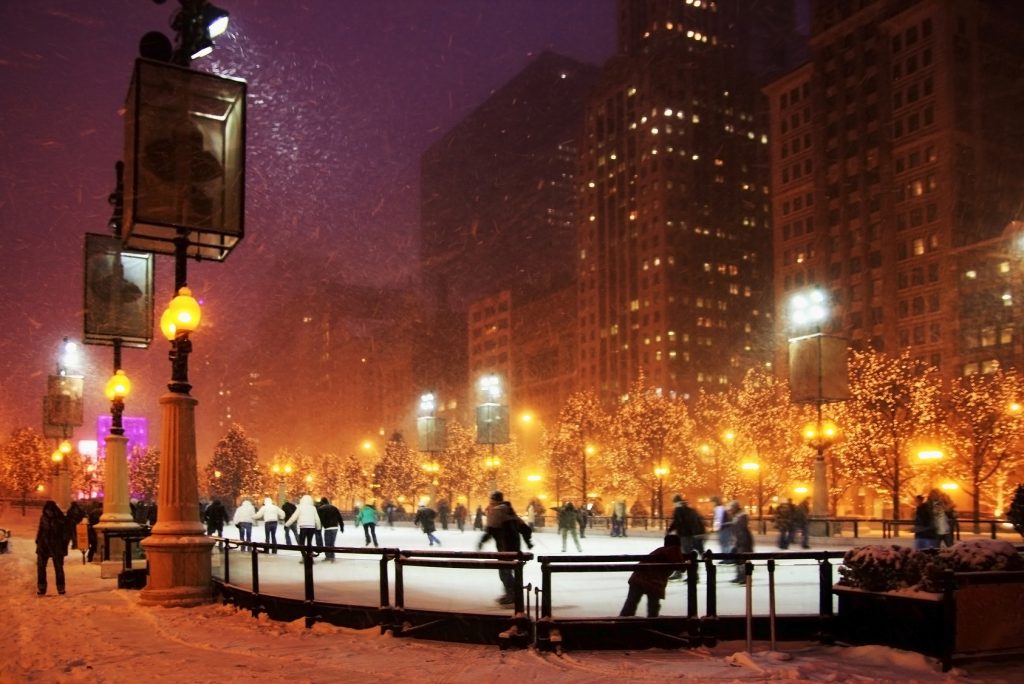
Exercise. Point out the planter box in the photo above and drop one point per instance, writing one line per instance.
(980, 616)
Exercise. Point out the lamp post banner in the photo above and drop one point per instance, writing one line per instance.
(818, 368)
(118, 293)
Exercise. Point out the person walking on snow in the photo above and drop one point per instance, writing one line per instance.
(51, 543)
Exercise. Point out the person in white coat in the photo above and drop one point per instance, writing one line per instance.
(307, 518)
(270, 514)
(245, 516)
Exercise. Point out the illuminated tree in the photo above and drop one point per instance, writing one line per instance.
(355, 479)
(582, 423)
(894, 403)
(754, 422)
(236, 458)
(653, 445)
(143, 473)
(26, 458)
(398, 470)
(989, 423)
(293, 466)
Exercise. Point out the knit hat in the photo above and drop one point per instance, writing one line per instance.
(497, 496)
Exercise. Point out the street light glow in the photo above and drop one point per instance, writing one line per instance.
(750, 465)
(808, 307)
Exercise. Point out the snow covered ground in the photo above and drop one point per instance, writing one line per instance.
(97, 633)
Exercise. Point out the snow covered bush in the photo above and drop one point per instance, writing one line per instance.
(885, 568)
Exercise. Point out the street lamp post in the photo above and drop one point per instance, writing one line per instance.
(813, 359)
(117, 511)
(659, 473)
(491, 422)
(432, 439)
(282, 473)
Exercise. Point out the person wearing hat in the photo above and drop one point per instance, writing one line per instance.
(687, 524)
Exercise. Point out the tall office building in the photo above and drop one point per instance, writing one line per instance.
(497, 210)
(673, 260)
(893, 148)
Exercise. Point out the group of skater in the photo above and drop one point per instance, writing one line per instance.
(307, 523)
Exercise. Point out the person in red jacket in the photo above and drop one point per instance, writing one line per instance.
(651, 581)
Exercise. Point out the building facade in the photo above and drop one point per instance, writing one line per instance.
(894, 147)
(673, 254)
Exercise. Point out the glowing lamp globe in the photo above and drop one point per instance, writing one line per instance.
(181, 315)
(118, 386)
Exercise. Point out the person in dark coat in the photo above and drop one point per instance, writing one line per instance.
(460, 517)
(289, 508)
(651, 582)
(925, 534)
(443, 511)
(686, 522)
(75, 515)
(51, 543)
(330, 518)
(216, 516)
(743, 540)
(478, 519)
(425, 519)
(506, 528)
(94, 519)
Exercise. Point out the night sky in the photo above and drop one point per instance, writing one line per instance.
(343, 98)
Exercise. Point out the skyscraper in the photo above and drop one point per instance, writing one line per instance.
(673, 260)
(895, 146)
(497, 209)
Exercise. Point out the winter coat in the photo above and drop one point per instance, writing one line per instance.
(743, 540)
(269, 512)
(330, 516)
(216, 515)
(425, 519)
(924, 521)
(505, 528)
(367, 515)
(305, 514)
(568, 517)
(246, 513)
(288, 508)
(686, 522)
(52, 536)
(653, 580)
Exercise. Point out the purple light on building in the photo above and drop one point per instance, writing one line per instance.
(135, 429)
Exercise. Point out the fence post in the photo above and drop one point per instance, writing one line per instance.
(709, 624)
(307, 575)
(545, 584)
(255, 576)
(691, 584)
(825, 612)
(385, 595)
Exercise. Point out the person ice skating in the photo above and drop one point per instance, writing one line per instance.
(619, 518)
(460, 516)
(568, 519)
(288, 508)
(719, 518)
(244, 518)
(443, 511)
(306, 519)
(478, 519)
(368, 519)
(506, 529)
(686, 522)
(389, 510)
(425, 520)
(651, 581)
(51, 544)
(801, 519)
(215, 517)
(742, 539)
(784, 523)
(330, 518)
(271, 515)
(925, 536)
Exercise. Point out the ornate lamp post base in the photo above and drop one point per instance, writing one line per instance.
(117, 512)
(178, 552)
